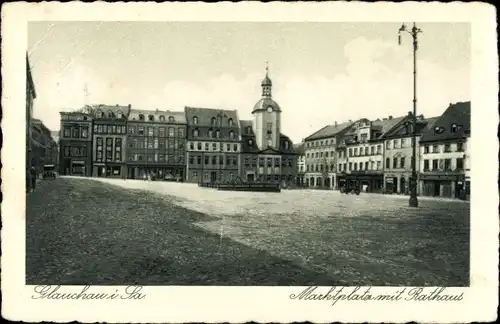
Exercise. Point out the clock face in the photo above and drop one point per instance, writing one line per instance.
(269, 109)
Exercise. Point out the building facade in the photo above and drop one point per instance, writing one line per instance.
(42, 146)
(30, 98)
(399, 152)
(321, 156)
(301, 164)
(267, 155)
(445, 159)
(156, 145)
(75, 144)
(213, 145)
(109, 141)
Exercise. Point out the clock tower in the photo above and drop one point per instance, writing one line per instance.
(267, 117)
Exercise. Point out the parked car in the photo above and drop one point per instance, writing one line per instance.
(49, 171)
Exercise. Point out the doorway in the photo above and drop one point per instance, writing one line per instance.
(437, 186)
(213, 176)
(250, 177)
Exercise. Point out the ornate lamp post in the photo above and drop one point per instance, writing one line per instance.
(413, 181)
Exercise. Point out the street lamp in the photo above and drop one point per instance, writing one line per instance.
(413, 181)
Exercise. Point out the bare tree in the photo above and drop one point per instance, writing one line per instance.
(88, 109)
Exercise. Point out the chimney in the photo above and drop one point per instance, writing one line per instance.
(410, 113)
(390, 117)
(129, 106)
(335, 123)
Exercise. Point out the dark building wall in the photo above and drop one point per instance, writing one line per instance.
(109, 143)
(75, 144)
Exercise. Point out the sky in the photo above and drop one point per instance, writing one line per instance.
(321, 72)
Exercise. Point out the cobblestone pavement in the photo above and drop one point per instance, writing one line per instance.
(320, 236)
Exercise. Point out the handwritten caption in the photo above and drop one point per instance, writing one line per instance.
(85, 293)
(336, 294)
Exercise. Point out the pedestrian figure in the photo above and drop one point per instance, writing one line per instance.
(33, 178)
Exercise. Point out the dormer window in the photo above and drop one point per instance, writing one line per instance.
(171, 119)
(454, 128)
(195, 120)
(230, 122)
(110, 114)
(120, 114)
(141, 117)
(151, 117)
(438, 130)
(213, 120)
(195, 132)
(162, 118)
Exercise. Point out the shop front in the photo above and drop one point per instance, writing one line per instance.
(444, 185)
(366, 181)
(156, 172)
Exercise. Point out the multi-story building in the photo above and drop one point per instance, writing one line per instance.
(56, 149)
(75, 144)
(444, 149)
(42, 146)
(301, 164)
(30, 98)
(213, 145)
(321, 156)
(109, 137)
(156, 144)
(267, 155)
(365, 152)
(399, 152)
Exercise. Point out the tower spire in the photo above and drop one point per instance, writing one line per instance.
(266, 83)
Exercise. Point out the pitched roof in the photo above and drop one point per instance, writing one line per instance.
(454, 123)
(328, 131)
(125, 110)
(179, 116)
(205, 116)
(385, 125)
(244, 124)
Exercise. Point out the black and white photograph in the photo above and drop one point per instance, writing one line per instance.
(312, 155)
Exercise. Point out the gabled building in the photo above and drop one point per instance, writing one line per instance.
(75, 144)
(444, 149)
(156, 144)
(322, 157)
(399, 152)
(213, 145)
(267, 155)
(109, 141)
(363, 147)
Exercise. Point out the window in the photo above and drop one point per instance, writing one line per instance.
(214, 146)
(454, 128)
(150, 144)
(460, 164)
(269, 128)
(195, 132)
(435, 149)
(150, 131)
(355, 151)
(206, 147)
(230, 122)
(361, 151)
(438, 130)
(156, 143)
(350, 166)
(195, 120)
(402, 162)
(435, 164)
(217, 133)
(141, 117)
(403, 143)
(426, 149)
(379, 149)
(269, 162)
(379, 165)
(388, 163)
(213, 121)
(206, 160)
(447, 164)
(67, 132)
(426, 165)
(85, 132)
(366, 165)
(231, 135)
(171, 119)
(171, 131)
(214, 160)
(76, 132)
(447, 147)
(249, 129)
(250, 142)
(395, 163)
(66, 151)
(247, 161)
(199, 146)
(388, 145)
(372, 150)
(235, 147)
(181, 132)
(210, 133)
